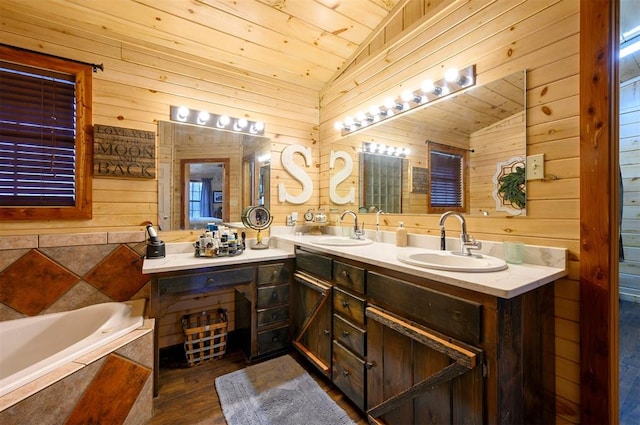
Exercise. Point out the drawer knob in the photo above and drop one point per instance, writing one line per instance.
(275, 274)
(274, 295)
(345, 373)
(210, 281)
(326, 332)
(345, 274)
(345, 333)
(345, 304)
(274, 339)
(274, 316)
(369, 365)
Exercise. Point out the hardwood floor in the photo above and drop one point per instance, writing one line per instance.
(187, 395)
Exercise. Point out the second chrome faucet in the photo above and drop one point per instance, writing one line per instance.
(467, 243)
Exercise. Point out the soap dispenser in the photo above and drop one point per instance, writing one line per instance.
(401, 235)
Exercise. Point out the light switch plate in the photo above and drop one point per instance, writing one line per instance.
(535, 167)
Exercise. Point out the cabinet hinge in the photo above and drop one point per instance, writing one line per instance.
(485, 369)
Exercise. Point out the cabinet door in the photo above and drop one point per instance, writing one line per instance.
(418, 376)
(311, 320)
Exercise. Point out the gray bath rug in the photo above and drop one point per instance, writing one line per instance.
(276, 392)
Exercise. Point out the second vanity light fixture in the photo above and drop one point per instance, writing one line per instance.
(453, 81)
(222, 122)
(385, 150)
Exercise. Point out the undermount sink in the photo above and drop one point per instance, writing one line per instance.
(341, 241)
(445, 260)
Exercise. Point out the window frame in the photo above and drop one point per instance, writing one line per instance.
(83, 140)
(438, 147)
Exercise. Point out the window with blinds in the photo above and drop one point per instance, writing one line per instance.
(37, 144)
(44, 169)
(446, 179)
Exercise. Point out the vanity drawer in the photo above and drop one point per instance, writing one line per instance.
(348, 373)
(274, 274)
(272, 315)
(453, 316)
(272, 295)
(349, 276)
(316, 264)
(273, 340)
(349, 306)
(204, 282)
(349, 335)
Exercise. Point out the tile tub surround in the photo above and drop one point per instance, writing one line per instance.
(51, 273)
(541, 265)
(112, 384)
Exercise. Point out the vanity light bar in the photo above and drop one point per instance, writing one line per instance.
(385, 150)
(452, 82)
(223, 122)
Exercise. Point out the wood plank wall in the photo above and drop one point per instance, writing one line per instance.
(630, 169)
(136, 90)
(500, 37)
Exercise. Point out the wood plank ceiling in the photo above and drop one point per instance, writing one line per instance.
(305, 42)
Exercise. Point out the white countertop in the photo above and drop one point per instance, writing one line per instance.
(180, 256)
(509, 283)
(542, 264)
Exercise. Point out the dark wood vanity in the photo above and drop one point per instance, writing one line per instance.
(260, 293)
(403, 347)
(406, 349)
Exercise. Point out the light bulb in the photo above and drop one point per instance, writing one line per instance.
(182, 114)
(451, 75)
(406, 95)
(203, 117)
(389, 103)
(223, 120)
(428, 86)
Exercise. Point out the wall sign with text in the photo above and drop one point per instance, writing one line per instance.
(123, 152)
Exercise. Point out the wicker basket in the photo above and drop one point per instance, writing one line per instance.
(205, 335)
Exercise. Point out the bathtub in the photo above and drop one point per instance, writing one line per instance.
(34, 346)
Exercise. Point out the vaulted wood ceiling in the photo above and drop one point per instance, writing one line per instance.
(305, 42)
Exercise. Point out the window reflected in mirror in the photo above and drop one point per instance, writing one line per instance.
(447, 178)
(204, 183)
(381, 180)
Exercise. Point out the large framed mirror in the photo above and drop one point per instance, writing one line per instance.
(484, 125)
(201, 174)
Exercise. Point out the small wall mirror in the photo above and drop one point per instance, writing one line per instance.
(201, 174)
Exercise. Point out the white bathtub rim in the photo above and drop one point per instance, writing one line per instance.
(71, 353)
(51, 378)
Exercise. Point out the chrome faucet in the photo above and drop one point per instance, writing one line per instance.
(467, 243)
(357, 233)
(378, 224)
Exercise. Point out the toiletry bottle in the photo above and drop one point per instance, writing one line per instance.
(401, 235)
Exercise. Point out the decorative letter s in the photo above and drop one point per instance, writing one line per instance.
(339, 177)
(297, 173)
